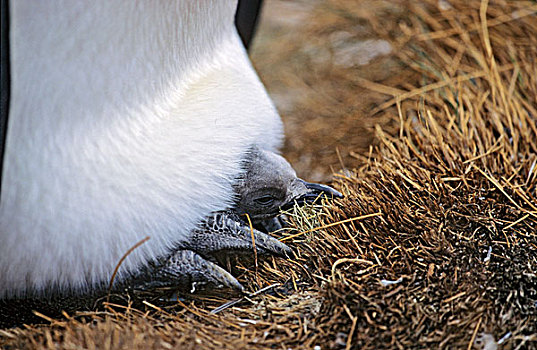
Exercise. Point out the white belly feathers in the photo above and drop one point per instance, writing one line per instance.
(127, 119)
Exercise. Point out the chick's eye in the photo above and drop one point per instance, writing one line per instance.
(265, 200)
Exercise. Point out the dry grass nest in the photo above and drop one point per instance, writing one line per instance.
(435, 242)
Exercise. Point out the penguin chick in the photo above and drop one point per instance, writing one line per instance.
(270, 185)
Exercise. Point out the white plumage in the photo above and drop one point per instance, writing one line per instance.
(127, 119)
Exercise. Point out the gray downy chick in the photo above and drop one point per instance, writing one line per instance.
(270, 185)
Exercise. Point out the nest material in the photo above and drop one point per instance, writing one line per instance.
(435, 243)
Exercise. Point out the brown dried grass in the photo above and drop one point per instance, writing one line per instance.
(434, 245)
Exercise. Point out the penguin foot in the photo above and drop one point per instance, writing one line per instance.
(226, 233)
(195, 262)
(184, 270)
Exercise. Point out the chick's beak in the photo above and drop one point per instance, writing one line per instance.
(318, 189)
(312, 192)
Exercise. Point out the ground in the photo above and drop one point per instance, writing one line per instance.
(424, 114)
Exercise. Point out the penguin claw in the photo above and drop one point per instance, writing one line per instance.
(184, 270)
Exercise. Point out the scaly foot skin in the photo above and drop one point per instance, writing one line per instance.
(195, 263)
(226, 232)
(183, 270)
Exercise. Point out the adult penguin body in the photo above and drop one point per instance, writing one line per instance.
(127, 119)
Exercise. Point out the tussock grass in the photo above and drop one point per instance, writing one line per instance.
(435, 242)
